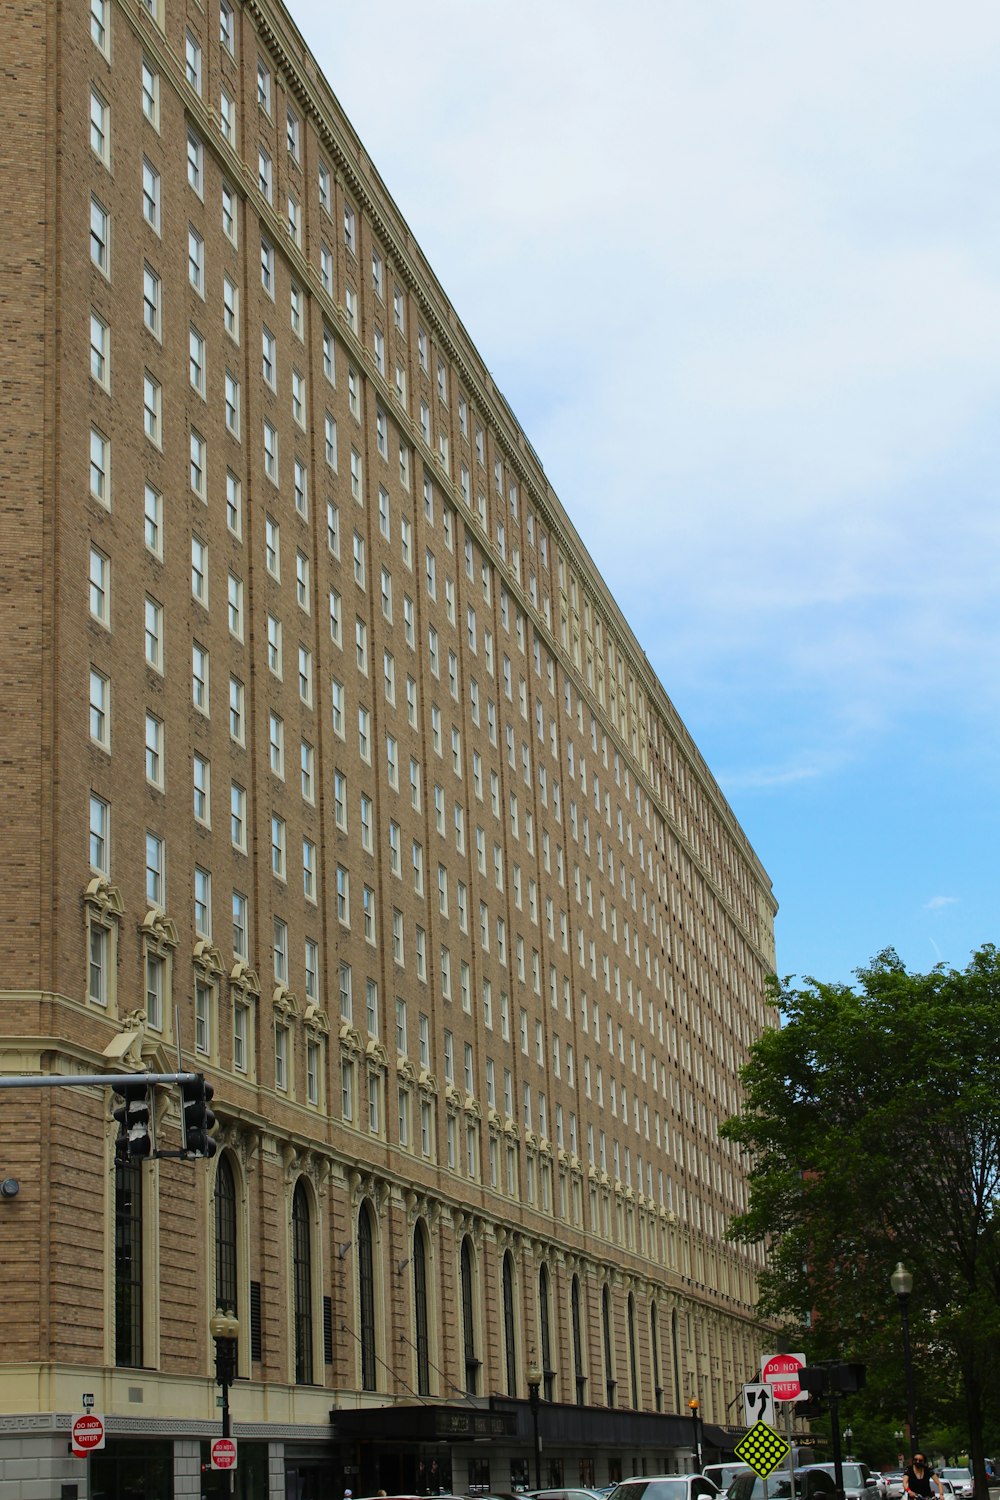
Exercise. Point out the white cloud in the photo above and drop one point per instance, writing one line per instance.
(937, 902)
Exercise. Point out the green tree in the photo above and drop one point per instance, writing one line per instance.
(871, 1123)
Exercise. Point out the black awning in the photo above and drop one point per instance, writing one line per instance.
(564, 1424)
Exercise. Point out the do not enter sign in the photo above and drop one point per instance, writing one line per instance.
(781, 1373)
(223, 1453)
(87, 1434)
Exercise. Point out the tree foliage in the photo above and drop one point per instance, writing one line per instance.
(871, 1123)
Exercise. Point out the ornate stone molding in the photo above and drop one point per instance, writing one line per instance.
(104, 899)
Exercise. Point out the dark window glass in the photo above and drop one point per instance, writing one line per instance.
(581, 1379)
(366, 1292)
(302, 1273)
(469, 1322)
(654, 1351)
(128, 1265)
(420, 1312)
(632, 1362)
(510, 1347)
(609, 1372)
(225, 1238)
(548, 1374)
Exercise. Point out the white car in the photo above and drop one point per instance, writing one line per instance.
(960, 1481)
(665, 1487)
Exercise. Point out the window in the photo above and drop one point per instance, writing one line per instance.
(278, 864)
(229, 213)
(202, 902)
(272, 547)
(100, 232)
(398, 309)
(192, 62)
(237, 724)
(227, 27)
(279, 950)
(150, 197)
(100, 709)
(151, 408)
(276, 743)
(305, 675)
(195, 164)
(99, 127)
(269, 361)
(151, 301)
(100, 467)
(274, 645)
(324, 186)
(302, 580)
(349, 228)
(155, 876)
(306, 762)
(293, 134)
(227, 117)
(199, 677)
(267, 268)
(298, 398)
(153, 632)
(231, 307)
(238, 817)
(271, 451)
(100, 815)
(196, 260)
(99, 24)
(264, 173)
(196, 360)
(232, 404)
(264, 86)
(100, 585)
(154, 751)
(199, 569)
(235, 606)
(150, 92)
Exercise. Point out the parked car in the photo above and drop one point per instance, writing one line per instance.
(574, 1494)
(859, 1481)
(810, 1484)
(960, 1481)
(665, 1487)
(894, 1482)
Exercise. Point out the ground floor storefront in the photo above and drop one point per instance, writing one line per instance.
(427, 1449)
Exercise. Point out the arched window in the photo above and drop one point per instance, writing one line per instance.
(609, 1365)
(633, 1363)
(548, 1374)
(302, 1285)
(581, 1379)
(469, 1321)
(420, 1312)
(366, 1298)
(509, 1341)
(654, 1353)
(675, 1357)
(225, 1238)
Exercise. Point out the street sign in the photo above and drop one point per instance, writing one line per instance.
(781, 1373)
(87, 1434)
(758, 1405)
(761, 1449)
(87, 1401)
(223, 1453)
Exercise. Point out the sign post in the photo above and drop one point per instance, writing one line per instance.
(781, 1373)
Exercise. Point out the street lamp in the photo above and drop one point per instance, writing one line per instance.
(534, 1378)
(901, 1282)
(848, 1435)
(693, 1408)
(225, 1329)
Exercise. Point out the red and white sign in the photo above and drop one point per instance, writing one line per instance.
(781, 1373)
(87, 1434)
(223, 1453)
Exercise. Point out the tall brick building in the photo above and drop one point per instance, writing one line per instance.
(329, 760)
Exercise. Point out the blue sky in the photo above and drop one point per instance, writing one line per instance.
(736, 268)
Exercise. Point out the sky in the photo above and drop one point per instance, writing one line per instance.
(736, 268)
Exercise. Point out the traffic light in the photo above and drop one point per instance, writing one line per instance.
(134, 1141)
(197, 1120)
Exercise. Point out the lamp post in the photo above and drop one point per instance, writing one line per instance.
(534, 1378)
(848, 1436)
(899, 1435)
(693, 1408)
(901, 1282)
(225, 1329)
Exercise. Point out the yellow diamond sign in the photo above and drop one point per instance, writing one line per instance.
(761, 1449)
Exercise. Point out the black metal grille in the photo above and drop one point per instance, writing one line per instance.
(366, 1296)
(302, 1254)
(128, 1265)
(225, 1238)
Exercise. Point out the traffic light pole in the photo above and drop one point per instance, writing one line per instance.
(89, 1080)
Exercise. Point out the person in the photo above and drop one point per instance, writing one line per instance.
(920, 1481)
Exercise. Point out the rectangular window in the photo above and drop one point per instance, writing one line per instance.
(154, 751)
(151, 195)
(100, 816)
(150, 92)
(202, 902)
(100, 709)
(153, 635)
(192, 61)
(196, 260)
(100, 127)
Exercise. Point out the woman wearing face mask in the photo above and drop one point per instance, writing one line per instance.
(921, 1481)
